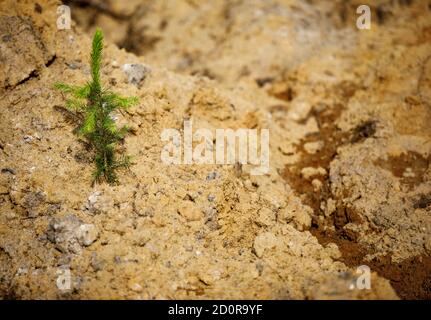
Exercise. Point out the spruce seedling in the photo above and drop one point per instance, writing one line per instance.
(95, 106)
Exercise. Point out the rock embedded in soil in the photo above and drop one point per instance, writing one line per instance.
(62, 232)
(136, 72)
(70, 234)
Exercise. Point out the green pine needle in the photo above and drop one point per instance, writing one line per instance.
(98, 126)
(96, 60)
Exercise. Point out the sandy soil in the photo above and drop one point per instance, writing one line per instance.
(350, 146)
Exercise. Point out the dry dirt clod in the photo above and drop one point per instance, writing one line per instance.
(87, 234)
(264, 242)
(190, 212)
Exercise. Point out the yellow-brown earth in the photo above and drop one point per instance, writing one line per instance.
(348, 112)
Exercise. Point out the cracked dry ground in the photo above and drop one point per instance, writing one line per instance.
(350, 138)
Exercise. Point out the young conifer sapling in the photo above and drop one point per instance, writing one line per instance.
(95, 105)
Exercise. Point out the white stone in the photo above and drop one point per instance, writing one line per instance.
(87, 234)
(265, 241)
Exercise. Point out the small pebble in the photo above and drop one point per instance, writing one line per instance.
(212, 175)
